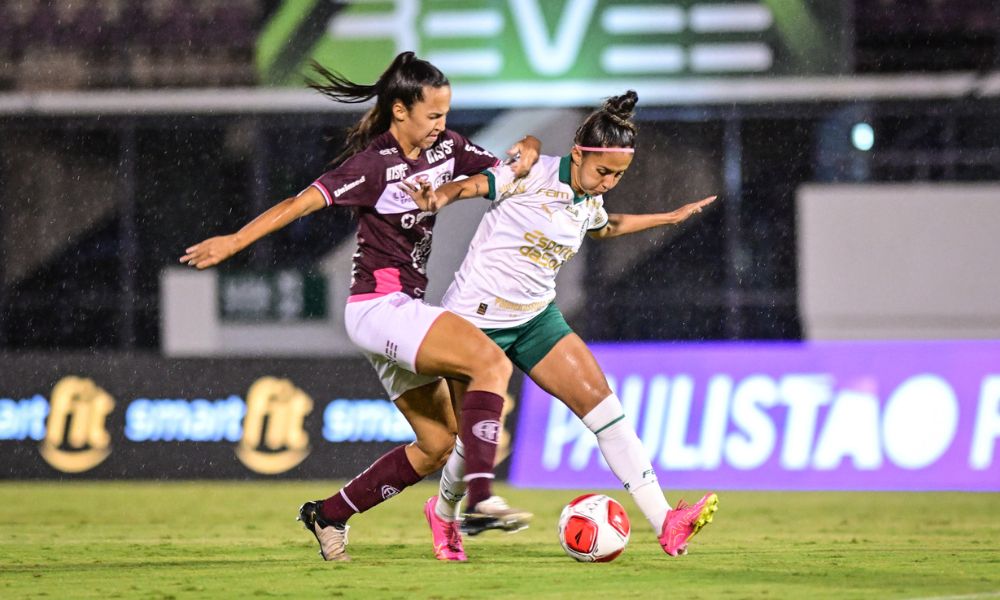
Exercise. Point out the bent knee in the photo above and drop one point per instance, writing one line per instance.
(436, 451)
(494, 365)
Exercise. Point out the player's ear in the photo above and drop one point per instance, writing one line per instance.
(576, 155)
(399, 111)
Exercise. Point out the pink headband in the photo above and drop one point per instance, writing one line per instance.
(596, 149)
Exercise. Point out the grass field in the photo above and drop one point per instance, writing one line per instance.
(239, 540)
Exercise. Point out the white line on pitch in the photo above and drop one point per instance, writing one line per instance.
(961, 597)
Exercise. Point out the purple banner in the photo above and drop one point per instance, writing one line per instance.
(783, 416)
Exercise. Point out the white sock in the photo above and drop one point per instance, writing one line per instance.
(627, 458)
(452, 488)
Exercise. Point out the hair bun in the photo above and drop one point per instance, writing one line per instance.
(622, 106)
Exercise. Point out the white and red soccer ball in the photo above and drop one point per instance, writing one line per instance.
(594, 528)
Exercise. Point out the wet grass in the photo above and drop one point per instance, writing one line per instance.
(239, 540)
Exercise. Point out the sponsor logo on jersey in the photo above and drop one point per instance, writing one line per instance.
(482, 308)
(442, 178)
(274, 437)
(395, 172)
(545, 251)
(550, 193)
(487, 430)
(388, 152)
(408, 220)
(531, 307)
(76, 437)
(440, 151)
(348, 187)
(513, 188)
(478, 151)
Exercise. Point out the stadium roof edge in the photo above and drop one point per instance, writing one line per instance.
(677, 92)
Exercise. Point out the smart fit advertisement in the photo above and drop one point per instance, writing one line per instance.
(784, 416)
(118, 416)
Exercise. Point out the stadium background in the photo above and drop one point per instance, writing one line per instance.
(846, 278)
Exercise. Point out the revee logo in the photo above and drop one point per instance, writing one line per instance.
(77, 438)
(274, 438)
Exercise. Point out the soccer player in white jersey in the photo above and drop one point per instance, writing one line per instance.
(506, 287)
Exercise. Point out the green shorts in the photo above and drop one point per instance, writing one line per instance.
(527, 344)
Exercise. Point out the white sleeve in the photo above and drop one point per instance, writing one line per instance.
(501, 178)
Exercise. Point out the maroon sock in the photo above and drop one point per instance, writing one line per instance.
(387, 476)
(480, 433)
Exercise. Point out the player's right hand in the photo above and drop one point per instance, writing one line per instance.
(422, 193)
(210, 252)
(523, 155)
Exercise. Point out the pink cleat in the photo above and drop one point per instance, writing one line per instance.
(684, 521)
(447, 537)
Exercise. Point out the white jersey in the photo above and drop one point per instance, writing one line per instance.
(534, 226)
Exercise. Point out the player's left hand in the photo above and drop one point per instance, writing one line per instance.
(685, 212)
(422, 194)
(524, 154)
(210, 252)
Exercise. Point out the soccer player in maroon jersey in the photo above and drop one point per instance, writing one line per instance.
(411, 344)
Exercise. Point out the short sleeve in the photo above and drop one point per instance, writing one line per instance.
(470, 158)
(600, 219)
(501, 182)
(355, 182)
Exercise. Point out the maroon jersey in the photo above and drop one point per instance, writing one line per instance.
(394, 235)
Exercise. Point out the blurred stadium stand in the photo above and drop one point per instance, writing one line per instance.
(85, 274)
(926, 35)
(74, 44)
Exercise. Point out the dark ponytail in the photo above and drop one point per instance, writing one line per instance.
(404, 80)
(611, 125)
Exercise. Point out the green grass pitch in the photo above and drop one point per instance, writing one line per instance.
(239, 540)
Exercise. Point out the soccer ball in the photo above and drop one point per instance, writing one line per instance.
(593, 528)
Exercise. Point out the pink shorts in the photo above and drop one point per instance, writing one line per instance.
(389, 330)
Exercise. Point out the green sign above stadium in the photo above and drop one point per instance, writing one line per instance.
(519, 42)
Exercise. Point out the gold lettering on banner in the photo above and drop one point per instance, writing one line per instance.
(274, 437)
(76, 438)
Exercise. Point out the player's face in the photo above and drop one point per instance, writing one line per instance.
(598, 172)
(422, 123)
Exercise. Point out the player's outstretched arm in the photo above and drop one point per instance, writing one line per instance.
(433, 200)
(217, 249)
(622, 224)
(523, 156)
